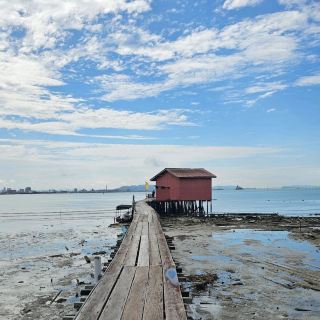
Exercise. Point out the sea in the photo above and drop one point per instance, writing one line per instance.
(23, 213)
(34, 209)
(284, 201)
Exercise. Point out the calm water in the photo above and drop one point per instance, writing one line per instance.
(291, 202)
(37, 209)
(19, 213)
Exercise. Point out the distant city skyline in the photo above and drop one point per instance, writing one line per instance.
(114, 91)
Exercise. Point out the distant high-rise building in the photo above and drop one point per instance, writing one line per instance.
(27, 190)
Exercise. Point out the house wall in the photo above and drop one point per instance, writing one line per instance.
(172, 188)
(195, 189)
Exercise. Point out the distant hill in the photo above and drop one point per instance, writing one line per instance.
(135, 188)
(300, 187)
(230, 187)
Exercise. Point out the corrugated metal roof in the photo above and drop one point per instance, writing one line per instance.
(186, 173)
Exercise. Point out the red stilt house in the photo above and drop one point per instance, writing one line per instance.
(183, 184)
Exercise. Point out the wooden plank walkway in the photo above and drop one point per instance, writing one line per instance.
(136, 285)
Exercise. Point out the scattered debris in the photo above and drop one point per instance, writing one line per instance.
(301, 309)
(200, 282)
(55, 297)
(25, 311)
(99, 253)
(72, 254)
(56, 256)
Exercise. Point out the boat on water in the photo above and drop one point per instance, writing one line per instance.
(123, 213)
(239, 188)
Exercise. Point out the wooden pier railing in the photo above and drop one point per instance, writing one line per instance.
(141, 281)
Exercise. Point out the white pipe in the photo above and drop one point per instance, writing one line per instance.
(97, 268)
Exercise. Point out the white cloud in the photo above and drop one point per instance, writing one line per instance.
(71, 164)
(265, 87)
(236, 4)
(70, 123)
(23, 87)
(267, 43)
(46, 22)
(110, 118)
(32, 63)
(308, 81)
(290, 3)
(263, 43)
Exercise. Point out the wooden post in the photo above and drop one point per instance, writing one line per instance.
(97, 269)
(133, 204)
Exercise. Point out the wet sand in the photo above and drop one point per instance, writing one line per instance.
(41, 273)
(267, 267)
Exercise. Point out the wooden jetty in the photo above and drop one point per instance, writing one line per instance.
(136, 284)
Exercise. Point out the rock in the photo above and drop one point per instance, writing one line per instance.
(26, 310)
(56, 256)
(98, 253)
(301, 309)
(72, 254)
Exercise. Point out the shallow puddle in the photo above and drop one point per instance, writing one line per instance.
(270, 244)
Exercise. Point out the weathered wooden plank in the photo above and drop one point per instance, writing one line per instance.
(173, 303)
(122, 252)
(153, 309)
(138, 231)
(155, 258)
(143, 259)
(135, 303)
(174, 307)
(115, 305)
(150, 217)
(98, 297)
(166, 258)
(145, 228)
(132, 253)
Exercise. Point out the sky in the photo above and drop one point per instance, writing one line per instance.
(109, 92)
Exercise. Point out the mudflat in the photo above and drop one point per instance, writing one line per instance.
(248, 266)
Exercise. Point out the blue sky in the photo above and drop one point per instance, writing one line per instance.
(110, 92)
